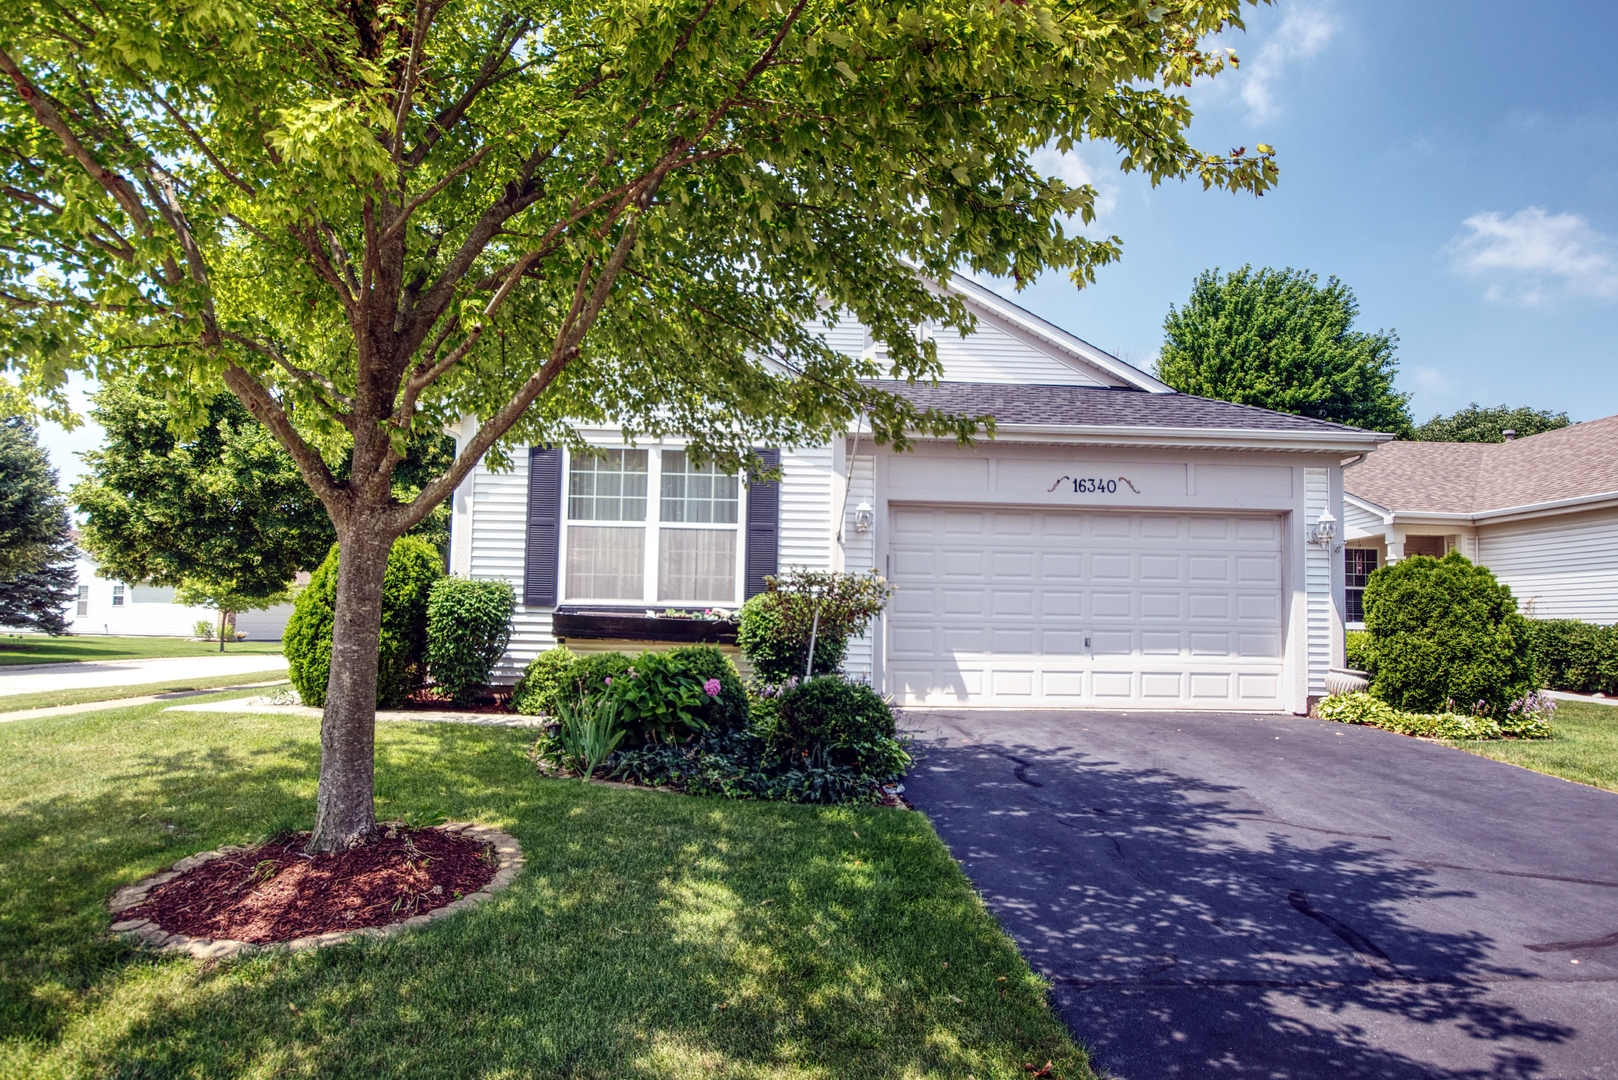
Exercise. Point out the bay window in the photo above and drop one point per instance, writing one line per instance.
(680, 548)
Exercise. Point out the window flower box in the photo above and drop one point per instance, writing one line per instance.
(599, 623)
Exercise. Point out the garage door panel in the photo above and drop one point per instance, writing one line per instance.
(1112, 605)
(963, 564)
(1160, 605)
(1020, 642)
(1264, 569)
(1072, 607)
(1259, 608)
(1112, 568)
(1060, 642)
(1160, 642)
(1010, 602)
(1113, 643)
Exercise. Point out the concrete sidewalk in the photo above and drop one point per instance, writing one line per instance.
(440, 716)
(90, 674)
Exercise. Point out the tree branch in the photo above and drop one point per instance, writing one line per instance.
(262, 404)
(44, 112)
(415, 204)
(449, 117)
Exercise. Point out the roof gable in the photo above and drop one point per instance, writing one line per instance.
(1009, 346)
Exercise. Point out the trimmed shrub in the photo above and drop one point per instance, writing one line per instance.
(468, 625)
(659, 700)
(544, 681)
(1576, 656)
(1446, 635)
(775, 627)
(728, 710)
(847, 722)
(413, 567)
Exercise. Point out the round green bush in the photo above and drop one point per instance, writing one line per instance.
(849, 722)
(1446, 637)
(543, 682)
(729, 710)
(468, 625)
(776, 648)
(414, 565)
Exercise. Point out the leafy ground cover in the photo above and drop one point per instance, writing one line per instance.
(46, 699)
(1584, 746)
(40, 649)
(649, 935)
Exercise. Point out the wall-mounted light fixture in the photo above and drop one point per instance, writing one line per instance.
(863, 517)
(1324, 530)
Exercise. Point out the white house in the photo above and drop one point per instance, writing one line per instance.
(1117, 545)
(141, 610)
(1541, 512)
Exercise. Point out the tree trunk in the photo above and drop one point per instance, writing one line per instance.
(345, 811)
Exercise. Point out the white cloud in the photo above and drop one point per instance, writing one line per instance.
(1533, 255)
(1304, 30)
(1073, 170)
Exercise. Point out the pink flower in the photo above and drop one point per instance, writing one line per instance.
(711, 687)
(609, 680)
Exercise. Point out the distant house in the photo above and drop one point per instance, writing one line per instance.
(1540, 512)
(129, 609)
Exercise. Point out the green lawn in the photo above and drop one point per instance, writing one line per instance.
(1584, 748)
(48, 698)
(649, 935)
(40, 649)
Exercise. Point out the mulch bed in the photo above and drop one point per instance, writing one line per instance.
(276, 893)
(426, 699)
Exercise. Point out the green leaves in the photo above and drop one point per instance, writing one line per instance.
(1279, 340)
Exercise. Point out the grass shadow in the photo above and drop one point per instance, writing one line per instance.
(649, 934)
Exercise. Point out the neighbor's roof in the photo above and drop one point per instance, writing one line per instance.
(1100, 406)
(1472, 478)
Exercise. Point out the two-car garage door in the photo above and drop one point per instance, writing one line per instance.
(1058, 607)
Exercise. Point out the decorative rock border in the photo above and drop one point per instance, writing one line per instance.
(505, 846)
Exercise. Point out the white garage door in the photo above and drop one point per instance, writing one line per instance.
(1043, 607)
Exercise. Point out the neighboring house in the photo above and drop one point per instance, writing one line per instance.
(1541, 512)
(139, 610)
(1117, 545)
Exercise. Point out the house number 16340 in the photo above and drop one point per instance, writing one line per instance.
(1094, 485)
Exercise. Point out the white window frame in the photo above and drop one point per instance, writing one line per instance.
(118, 594)
(653, 524)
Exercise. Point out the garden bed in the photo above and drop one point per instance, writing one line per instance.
(275, 893)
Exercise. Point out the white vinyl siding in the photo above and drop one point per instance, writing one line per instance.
(992, 355)
(1317, 565)
(1558, 568)
(1013, 607)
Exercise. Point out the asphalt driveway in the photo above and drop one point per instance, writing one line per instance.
(1242, 896)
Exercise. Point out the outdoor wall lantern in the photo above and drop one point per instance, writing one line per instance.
(1324, 530)
(863, 517)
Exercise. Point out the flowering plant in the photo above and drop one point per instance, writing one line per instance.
(711, 688)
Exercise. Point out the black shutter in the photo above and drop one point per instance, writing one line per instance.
(763, 527)
(544, 547)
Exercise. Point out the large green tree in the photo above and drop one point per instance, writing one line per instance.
(222, 509)
(1475, 424)
(36, 547)
(372, 218)
(1280, 340)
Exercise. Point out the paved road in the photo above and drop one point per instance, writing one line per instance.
(1235, 896)
(32, 678)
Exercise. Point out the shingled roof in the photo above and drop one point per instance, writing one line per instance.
(1101, 406)
(1472, 478)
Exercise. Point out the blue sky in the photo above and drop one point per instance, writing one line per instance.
(1455, 163)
